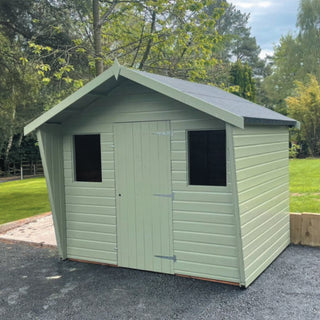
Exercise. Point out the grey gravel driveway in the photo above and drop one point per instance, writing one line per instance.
(34, 284)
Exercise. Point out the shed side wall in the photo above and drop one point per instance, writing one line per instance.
(261, 161)
(51, 149)
(203, 220)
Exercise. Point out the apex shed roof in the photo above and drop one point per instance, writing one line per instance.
(209, 99)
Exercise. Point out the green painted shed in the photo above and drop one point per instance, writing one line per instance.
(160, 174)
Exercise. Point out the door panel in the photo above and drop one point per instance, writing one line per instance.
(144, 196)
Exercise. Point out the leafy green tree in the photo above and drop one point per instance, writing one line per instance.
(19, 90)
(50, 48)
(285, 68)
(242, 82)
(49, 32)
(236, 43)
(54, 47)
(309, 36)
(304, 106)
(295, 57)
(163, 37)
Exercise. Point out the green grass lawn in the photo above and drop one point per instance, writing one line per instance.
(305, 185)
(22, 199)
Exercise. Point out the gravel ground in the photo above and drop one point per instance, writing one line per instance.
(35, 284)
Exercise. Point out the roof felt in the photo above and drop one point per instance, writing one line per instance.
(209, 99)
(222, 99)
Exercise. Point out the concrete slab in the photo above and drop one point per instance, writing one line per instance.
(35, 230)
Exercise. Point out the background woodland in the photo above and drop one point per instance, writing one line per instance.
(50, 48)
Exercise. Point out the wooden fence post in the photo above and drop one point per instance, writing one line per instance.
(21, 172)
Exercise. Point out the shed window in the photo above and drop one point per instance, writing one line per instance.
(207, 158)
(87, 158)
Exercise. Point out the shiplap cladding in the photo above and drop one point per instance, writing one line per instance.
(51, 149)
(90, 206)
(261, 161)
(203, 220)
(204, 236)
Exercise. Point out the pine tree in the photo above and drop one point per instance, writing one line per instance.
(241, 81)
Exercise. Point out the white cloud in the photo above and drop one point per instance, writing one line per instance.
(265, 4)
(252, 4)
(265, 52)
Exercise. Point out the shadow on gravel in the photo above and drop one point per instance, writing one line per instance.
(35, 284)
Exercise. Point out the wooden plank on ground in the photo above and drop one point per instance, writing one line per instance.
(310, 229)
(295, 227)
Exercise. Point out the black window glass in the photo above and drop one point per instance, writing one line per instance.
(88, 158)
(207, 158)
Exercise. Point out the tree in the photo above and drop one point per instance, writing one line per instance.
(236, 43)
(295, 57)
(19, 89)
(50, 48)
(285, 68)
(54, 47)
(158, 36)
(31, 42)
(308, 22)
(304, 106)
(241, 81)
(163, 37)
(49, 33)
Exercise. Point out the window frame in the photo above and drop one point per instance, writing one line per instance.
(73, 158)
(203, 187)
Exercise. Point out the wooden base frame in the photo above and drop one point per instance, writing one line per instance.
(210, 280)
(176, 274)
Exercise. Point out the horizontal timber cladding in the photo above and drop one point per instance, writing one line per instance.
(261, 161)
(90, 209)
(204, 238)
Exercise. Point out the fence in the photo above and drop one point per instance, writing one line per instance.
(31, 168)
(305, 229)
(25, 168)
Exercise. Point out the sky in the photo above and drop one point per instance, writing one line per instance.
(269, 20)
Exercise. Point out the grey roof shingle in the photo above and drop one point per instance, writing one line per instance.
(251, 112)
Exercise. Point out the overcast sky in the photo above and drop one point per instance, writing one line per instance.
(269, 20)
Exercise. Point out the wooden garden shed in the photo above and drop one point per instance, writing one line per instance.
(155, 173)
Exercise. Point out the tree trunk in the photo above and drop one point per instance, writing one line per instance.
(139, 46)
(97, 37)
(20, 140)
(149, 44)
(19, 146)
(6, 154)
(11, 134)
